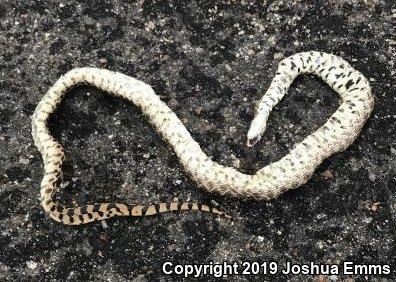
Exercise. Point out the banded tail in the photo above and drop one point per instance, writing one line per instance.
(95, 212)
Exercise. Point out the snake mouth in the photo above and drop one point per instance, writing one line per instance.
(252, 141)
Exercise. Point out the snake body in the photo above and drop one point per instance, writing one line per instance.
(293, 170)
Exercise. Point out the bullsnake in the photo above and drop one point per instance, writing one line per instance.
(291, 171)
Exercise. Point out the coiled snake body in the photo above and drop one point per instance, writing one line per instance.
(293, 170)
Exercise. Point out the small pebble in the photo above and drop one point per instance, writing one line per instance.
(103, 61)
(236, 163)
(23, 160)
(198, 110)
(278, 56)
(213, 202)
(372, 177)
(31, 264)
(328, 175)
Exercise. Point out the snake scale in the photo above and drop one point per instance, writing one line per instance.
(291, 171)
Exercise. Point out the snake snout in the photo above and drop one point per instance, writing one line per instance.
(252, 141)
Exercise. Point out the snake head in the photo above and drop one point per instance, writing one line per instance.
(256, 130)
(254, 135)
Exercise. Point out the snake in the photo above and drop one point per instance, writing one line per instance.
(291, 171)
